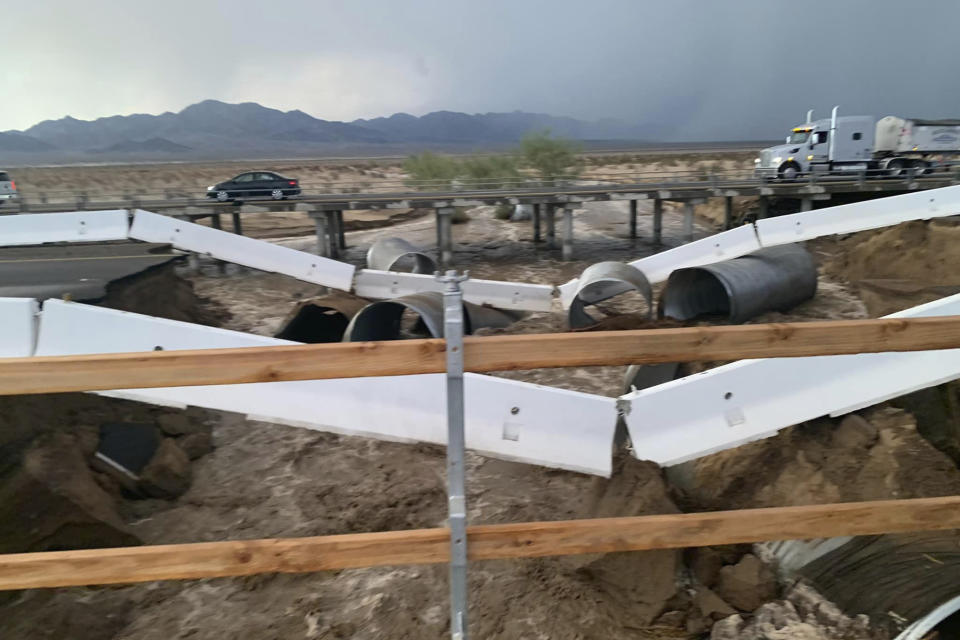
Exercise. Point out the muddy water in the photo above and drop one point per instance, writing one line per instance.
(500, 250)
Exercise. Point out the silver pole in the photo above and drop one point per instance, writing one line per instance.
(456, 484)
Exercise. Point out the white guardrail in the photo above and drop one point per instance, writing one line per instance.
(504, 418)
(99, 226)
(71, 226)
(503, 295)
(752, 399)
(18, 327)
(249, 252)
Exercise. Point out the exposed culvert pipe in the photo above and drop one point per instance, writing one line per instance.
(602, 281)
(644, 376)
(321, 319)
(772, 279)
(921, 627)
(388, 254)
(904, 582)
(383, 320)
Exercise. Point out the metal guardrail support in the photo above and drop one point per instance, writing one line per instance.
(456, 482)
(658, 221)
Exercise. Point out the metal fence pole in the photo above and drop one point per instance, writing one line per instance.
(456, 483)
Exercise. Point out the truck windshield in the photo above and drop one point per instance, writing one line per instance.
(799, 137)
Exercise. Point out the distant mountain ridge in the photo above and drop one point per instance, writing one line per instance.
(212, 126)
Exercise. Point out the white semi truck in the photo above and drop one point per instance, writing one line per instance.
(891, 146)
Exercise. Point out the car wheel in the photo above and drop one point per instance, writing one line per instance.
(277, 194)
(789, 171)
(896, 168)
(223, 196)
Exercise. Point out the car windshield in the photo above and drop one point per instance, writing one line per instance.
(799, 137)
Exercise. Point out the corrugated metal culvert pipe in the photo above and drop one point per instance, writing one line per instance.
(396, 254)
(384, 320)
(772, 279)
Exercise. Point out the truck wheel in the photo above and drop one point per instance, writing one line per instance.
(789, 171)
(896, 168)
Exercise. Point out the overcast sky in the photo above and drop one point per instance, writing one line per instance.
(704, 69)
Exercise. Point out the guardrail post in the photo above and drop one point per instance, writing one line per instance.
(806, 204)
(688, 221)
(568, 231)
(633, 218)
(658, 221)
(237, 225)
(912, 177)
(456, 444)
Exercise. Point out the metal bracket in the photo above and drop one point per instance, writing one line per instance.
(456, 483)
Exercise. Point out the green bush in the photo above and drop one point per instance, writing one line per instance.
(503, 211)
(490, 172)
(428, 170)
(460, 216)
(552, 158)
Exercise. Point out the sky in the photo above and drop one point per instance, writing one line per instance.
(694, 69)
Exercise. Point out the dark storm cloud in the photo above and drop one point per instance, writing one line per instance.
(693, 69)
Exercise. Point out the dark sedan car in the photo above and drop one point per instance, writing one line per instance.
(255, 184)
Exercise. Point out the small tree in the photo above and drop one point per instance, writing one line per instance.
(490, 172)
(429, 170)
(550, 157)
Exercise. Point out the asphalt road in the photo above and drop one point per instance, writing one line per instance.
(81, 272)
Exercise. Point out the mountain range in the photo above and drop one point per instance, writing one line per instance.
(217, 129)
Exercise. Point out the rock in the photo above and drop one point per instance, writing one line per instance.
(711, 606)
(727, 629)
(52, 501)
(644, 583)
(168, 473)
(804, 615)
(178, 424)
(705, 562)
(671, 619)
(747, 584)
(854, 432)
(196, 445)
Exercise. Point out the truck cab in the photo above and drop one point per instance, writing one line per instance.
(831, 145)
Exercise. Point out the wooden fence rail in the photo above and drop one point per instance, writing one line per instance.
(485, 542)
(533, 539)
(51, 374)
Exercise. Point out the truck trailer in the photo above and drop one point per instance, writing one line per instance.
(889, 147)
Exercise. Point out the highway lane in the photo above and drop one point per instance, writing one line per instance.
(81, 272)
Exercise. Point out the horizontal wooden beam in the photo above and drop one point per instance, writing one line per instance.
(485, 542)
(50, 374)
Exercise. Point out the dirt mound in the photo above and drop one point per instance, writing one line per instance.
(160, 292)
(898, 267)
(880, 456)
(50, 498)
